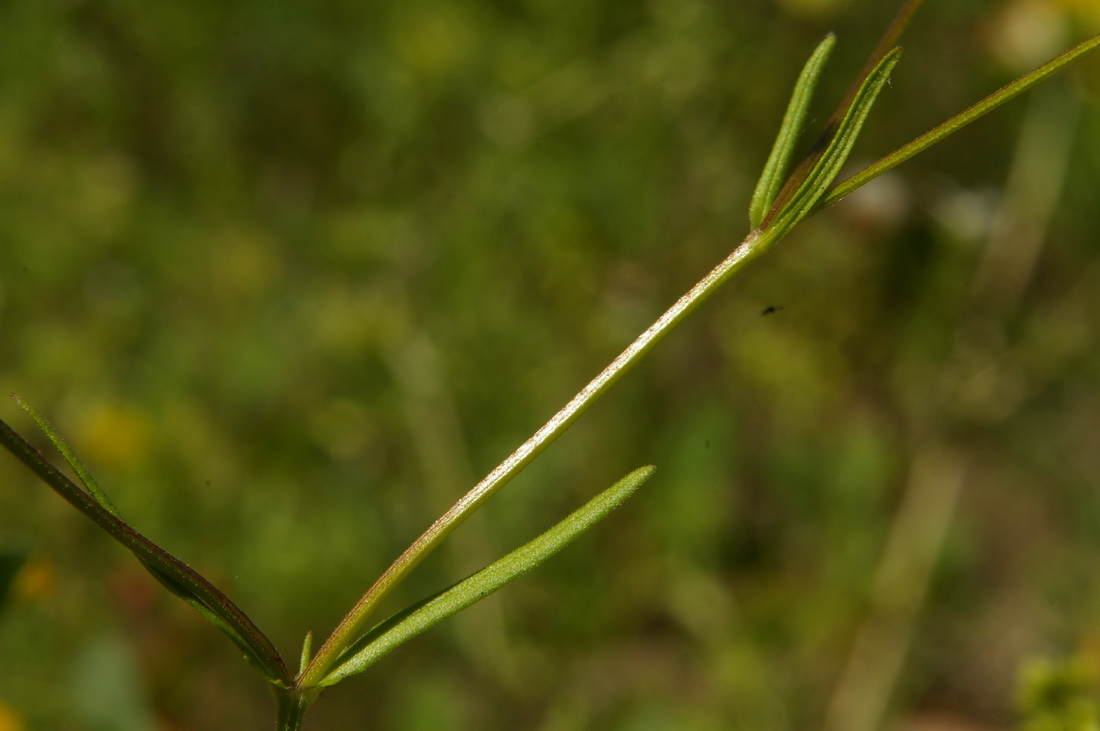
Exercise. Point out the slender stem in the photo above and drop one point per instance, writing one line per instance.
(957, 122)
(354, 623)
(290, 707)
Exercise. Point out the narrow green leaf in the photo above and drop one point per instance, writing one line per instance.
(957, 122)
(882, 49)
(172, 573)
(307, 652)
(220, 612)
(840, 141)
(66, 451)
(775, 169)
(419, 617)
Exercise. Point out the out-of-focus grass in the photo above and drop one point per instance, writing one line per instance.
(292, 276)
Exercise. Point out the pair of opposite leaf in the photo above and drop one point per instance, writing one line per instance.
(779, 201)
(220, 611)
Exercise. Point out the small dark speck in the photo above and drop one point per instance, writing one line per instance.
(771, 309)
(706, 443)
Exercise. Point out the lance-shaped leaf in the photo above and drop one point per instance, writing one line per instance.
(172, 573)
(775, 169)
(419, 617)
(826, 164)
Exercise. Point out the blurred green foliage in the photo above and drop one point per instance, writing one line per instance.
(1059, 696)
(292, 276)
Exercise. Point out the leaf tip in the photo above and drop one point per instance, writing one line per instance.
(307, 652)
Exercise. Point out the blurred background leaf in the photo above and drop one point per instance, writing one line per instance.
(12, 560)
(292, 276)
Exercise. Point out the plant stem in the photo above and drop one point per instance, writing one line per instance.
(290, 707)
(957, 122)
(354, 623)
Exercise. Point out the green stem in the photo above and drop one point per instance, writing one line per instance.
(957, 122)
(290, 707)
(354, 623)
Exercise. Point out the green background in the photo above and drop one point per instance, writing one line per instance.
(291, 276)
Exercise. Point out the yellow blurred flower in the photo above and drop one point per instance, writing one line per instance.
(1085, 11)
(111, 435)
(9, 719)
(36, 580)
